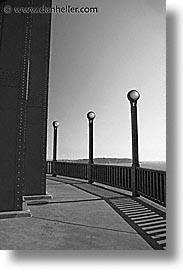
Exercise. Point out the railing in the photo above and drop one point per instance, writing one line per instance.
(116, 176)
(152, 184)
(149, 183)
(69, 169)
(49, 167)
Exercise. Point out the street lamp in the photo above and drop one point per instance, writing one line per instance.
(55, 127)
(91, 117)
(133, 97)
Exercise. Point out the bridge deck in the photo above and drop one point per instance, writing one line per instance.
(82, 216)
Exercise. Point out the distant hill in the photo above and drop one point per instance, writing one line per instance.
(158, 165)
(103, 160)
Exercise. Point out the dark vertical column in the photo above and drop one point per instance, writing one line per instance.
(90, 163)
(91, 141)
(37, 102)
(55, 144)
(24, 70)
(91, 117)
(133, 97)
(13, 70)
(55, 128)
(135, 154)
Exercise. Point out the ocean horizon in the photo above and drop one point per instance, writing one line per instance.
(157, 165)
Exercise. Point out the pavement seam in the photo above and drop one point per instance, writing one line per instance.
(85, 225)
(80, 201)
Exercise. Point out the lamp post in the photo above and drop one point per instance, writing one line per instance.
(91, 117)
(55, 127)
(133, 97)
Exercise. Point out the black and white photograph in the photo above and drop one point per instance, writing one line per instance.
(83, 125)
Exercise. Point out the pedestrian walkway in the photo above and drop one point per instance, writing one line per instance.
(81, 216)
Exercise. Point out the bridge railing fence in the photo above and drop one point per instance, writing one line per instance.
(116, 176)
(49, 167)
(150, 183)
(69, 169)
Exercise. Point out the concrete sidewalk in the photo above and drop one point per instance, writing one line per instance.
(77, 218)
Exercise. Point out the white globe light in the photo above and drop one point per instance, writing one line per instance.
(133, 95)
(55, 123)
(91, 115)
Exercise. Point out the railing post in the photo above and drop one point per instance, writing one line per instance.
(133, 96)
(90, 116)
(55, 127)
(133, 181)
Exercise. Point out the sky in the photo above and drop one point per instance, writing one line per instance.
(95, 60)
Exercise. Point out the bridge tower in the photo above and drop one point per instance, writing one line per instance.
(24, 75)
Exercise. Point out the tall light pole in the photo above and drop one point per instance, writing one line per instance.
(133, 97)
(91, 117)
(55, 127)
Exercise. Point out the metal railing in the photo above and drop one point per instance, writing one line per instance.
(152, 184)
(69, 169)
(49, 167)
(149, 183)
(116, 176)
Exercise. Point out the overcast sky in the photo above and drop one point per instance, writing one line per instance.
(95, 60)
